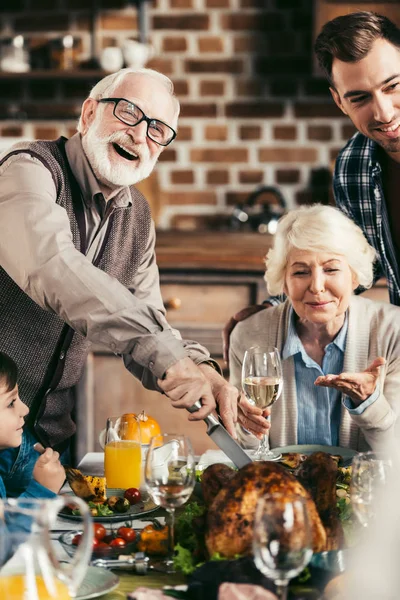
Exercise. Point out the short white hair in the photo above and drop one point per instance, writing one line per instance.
(318, 228)
(106, 87)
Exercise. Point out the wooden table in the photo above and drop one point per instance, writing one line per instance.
(130, 582)
(93, 464)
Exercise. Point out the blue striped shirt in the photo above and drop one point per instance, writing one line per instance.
(319, 408)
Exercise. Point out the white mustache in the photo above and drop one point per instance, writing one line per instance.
(126, 142)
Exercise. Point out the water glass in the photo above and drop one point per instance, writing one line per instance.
(170, 475)
(282, 541)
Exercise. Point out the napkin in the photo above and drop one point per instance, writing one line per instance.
(210, 457)
(244, 591)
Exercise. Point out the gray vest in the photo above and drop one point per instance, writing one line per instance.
(50, 355)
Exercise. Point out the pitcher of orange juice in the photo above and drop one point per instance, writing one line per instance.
(29, 568)
(122, 452)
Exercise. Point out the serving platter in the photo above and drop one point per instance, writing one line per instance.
(136, 510)
(345, 453)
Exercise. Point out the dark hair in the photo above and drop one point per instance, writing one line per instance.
(349, 38)
(8, 371)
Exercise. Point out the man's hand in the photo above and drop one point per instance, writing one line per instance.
(184, 384)
(358, 386)
(243, 314)
(226, 397)
(48, 470)
(253, 418)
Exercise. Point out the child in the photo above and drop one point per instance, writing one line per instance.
(48, 473)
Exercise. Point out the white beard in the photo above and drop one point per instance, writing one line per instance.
(97, 148)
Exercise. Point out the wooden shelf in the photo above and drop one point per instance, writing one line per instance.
(53, 74)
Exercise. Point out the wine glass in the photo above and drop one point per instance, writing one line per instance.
(170, 475)
(368, 476)
(282, 540)
(262, 385)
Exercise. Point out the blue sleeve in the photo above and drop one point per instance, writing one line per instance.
(36, 490)
(3, 493)
(347, 403)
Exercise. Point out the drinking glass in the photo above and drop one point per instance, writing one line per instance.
(170, 475)
(122, 452)
(262, 386)
(282, 541)
(29, 568)
(368, 476)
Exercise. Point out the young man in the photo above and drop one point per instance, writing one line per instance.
(78, 265)
(360, 56)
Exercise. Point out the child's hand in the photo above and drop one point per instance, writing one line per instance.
(48, 470)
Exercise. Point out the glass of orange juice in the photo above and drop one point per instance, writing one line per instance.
(122, 452)
(29, 567)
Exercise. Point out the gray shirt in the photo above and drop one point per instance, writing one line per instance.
(37, 252)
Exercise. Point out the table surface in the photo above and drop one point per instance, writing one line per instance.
(93, 464)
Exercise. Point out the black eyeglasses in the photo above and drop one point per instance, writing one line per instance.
(132, 115)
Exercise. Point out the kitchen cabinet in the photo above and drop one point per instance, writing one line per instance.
(206, 277)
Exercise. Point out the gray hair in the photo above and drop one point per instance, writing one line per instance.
(106, 87)
(318, 228)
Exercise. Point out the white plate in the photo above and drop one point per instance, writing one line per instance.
(310, 448)
(96, 583)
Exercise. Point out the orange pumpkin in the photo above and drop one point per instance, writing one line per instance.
(148, 426)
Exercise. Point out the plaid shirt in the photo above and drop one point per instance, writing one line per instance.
(357, 186)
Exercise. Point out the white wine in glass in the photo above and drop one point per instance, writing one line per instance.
(170, 475)
(262, 386)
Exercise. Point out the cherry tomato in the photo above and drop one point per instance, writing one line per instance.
(95, 543)
(102, 548)
(127, 534)
(99, 531)
(76, 539)
(133, 495)
(118, 543)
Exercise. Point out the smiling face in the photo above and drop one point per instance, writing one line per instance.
(319, 285)
(368, 91)
(121, 155)
(12, 413)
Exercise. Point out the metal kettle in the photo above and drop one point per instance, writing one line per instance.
(259, 216)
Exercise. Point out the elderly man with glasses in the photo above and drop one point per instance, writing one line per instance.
(77, 262)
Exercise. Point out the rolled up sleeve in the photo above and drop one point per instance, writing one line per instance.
(37, 252)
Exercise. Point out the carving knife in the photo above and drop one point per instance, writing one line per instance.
(223, 439)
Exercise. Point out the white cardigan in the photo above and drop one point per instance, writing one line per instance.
(374, 330)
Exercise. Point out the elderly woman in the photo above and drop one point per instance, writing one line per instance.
(340, 352)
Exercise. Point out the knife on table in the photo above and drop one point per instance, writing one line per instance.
(223, 439)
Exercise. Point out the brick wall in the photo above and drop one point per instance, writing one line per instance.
(252, 112)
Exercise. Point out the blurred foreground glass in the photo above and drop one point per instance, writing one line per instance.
(29, 568)
(368, 477)
(122, 452)
(282, 541)
(262, 386)
(170, 475)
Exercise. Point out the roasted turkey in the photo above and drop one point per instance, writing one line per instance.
(318, 474)
(229, 524)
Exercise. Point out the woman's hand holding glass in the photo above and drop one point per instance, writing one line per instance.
(252, 418)
(262, 386)
(170, 475)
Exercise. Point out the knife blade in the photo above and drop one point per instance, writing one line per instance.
(223, 439)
